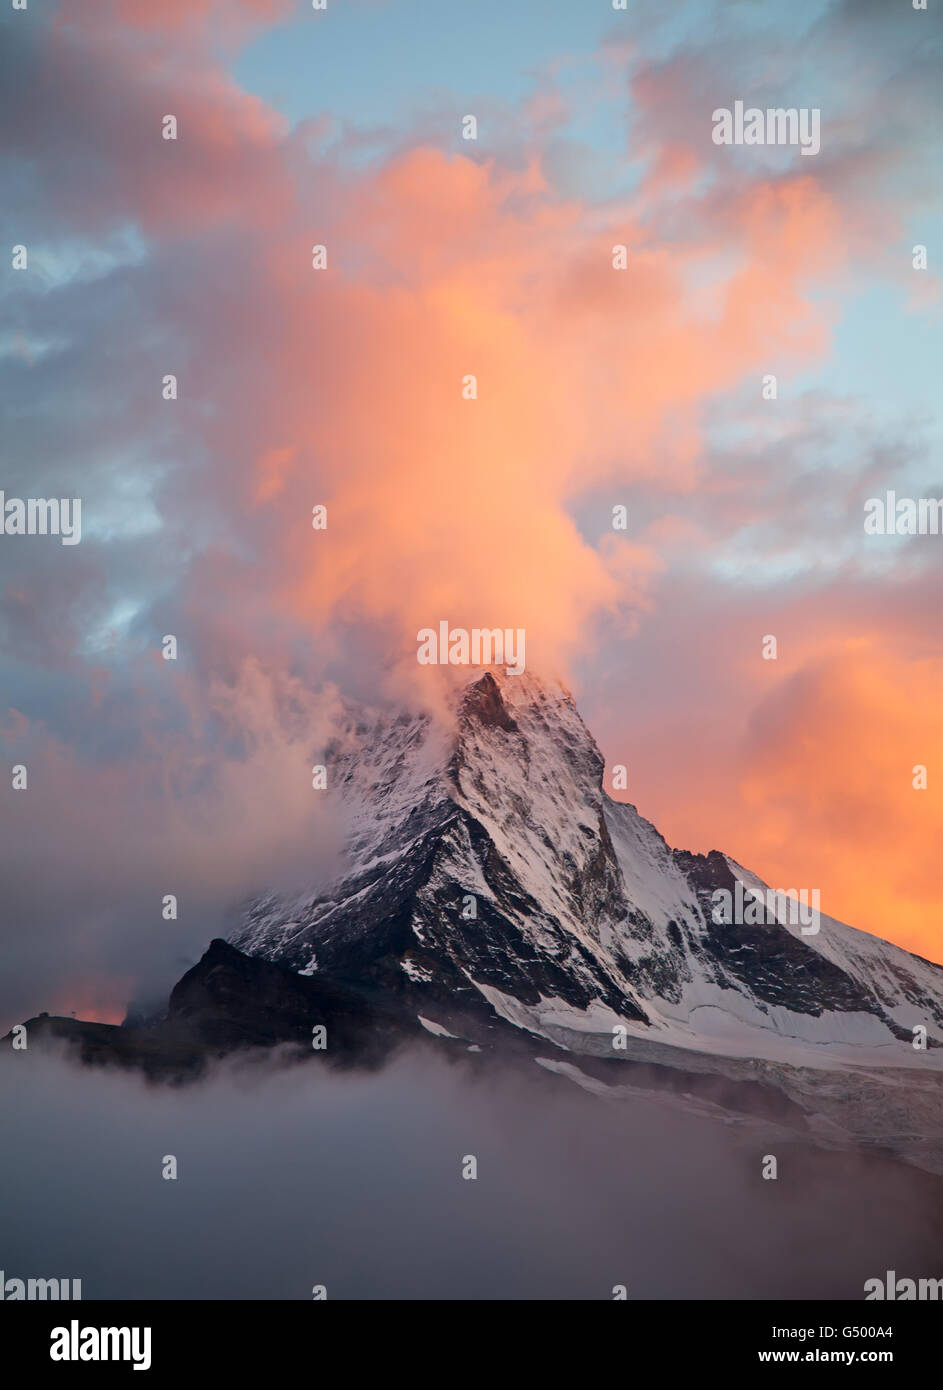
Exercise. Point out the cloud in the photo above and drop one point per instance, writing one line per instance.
(212, 803)
(292, 1179)
(440, 267)
(800, 768)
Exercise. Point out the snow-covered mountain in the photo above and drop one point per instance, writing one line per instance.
(490, 877)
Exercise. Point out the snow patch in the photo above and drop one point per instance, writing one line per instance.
(435, 1028)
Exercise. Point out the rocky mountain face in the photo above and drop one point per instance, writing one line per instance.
(227, 1003)
(493, 882)
(499, 906)
(490, 869)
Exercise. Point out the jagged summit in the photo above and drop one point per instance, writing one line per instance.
(483, 701)
(489, 870)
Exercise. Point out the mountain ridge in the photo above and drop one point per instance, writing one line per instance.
(499, 906)
(568, 894)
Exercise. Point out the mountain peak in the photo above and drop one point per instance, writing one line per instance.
(489, 871)
(482, 700)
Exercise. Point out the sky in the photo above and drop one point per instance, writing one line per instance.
(341, 387)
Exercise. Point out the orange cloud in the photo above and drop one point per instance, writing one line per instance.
(830, 784)
(440, 270)
(803, 768)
